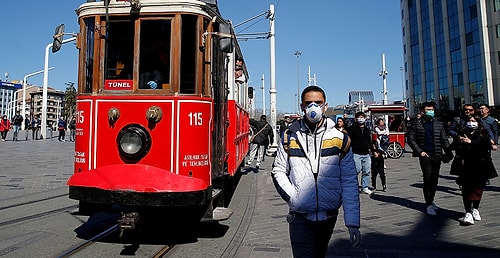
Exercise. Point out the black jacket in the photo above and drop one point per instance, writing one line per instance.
(361, 139)
(416, 137)
(265, 136)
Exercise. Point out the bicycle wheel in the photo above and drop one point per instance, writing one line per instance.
(394, 150)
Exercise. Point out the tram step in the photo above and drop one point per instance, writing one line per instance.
(221, 213)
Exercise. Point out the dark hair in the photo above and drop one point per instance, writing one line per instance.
(428, 104)
(484, 105)
(360, 113)
(263, 117)
(312, 88)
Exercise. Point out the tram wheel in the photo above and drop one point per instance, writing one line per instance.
(394, 151)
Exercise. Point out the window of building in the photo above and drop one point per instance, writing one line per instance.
(497, 5)
(498, 29)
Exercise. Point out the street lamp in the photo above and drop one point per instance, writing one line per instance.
(43, 131)
(403, 84)
(23, 112)
(297, 54)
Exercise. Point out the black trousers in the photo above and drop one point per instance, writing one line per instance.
(430, 171)
(378, 169)
(309, 238)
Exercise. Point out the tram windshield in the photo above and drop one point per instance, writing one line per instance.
(154, 52)
(137, 54)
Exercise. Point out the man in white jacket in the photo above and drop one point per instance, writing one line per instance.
(314, 172)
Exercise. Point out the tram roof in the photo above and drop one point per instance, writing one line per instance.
(203, 7)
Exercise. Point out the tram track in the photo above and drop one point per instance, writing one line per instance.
(78, 248)
(32, 201)
(38, 215)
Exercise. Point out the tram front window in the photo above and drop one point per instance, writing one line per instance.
(120, 56)
(154, 56)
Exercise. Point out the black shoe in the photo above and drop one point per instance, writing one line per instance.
(384, 188)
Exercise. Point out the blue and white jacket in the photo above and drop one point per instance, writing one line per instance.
(317, 174)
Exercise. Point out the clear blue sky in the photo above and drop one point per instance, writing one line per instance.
(342, 42)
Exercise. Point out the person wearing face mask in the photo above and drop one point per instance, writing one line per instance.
(314, 173)
(457, 125)
(476, 167)
(362, 147)
(4, 127)
(427, 138)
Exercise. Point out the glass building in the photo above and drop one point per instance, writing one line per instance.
(451, 52)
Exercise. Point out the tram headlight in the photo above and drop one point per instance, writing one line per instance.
(133, 142)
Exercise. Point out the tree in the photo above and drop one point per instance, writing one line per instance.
(70, 100)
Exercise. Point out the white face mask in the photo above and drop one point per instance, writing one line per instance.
(361, 120)
(314, 113)
(472, 125)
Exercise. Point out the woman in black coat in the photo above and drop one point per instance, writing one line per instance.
(475, 166)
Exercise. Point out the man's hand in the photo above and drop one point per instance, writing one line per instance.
(354, 236)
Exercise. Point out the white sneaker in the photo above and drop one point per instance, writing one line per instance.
(468, 219)
(475, 214)
(435, 206)
(431, 210)
(367, 191)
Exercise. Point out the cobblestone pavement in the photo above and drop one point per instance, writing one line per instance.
(393, 223)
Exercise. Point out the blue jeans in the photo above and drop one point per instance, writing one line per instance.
(309, 238)
(363, 166)
(16, 132)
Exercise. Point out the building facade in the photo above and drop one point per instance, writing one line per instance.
(451, 52)
(7, 90)
(55, 105)
(11, 100)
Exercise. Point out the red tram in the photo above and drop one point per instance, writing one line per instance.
(162, 123)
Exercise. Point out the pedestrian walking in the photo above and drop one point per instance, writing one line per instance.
(27, 126)
(17, 122)
(340, 125)
(314, 173)
(491, 123)
(72, 129)
(382, 132)
(362, 147)
(260, 140)
(61, 127)
(4, 127)
(474, 167)
(427, 138)
(378, 166)
(35, 127)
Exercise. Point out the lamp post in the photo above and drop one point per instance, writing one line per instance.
(384, 73)
(403, 84)
(43, 131)
(297, 54)
(23, 112)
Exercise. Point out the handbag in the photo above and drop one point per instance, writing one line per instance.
(491, 170)
(447, 157)
(456, 166)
